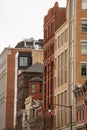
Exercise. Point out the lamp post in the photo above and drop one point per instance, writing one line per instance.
(70, 107)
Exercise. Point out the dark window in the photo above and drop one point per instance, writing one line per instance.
(25, 116)
(84, 25)
(23, 61)
(83, 69)
(41, 88)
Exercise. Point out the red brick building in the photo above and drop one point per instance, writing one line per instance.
(81, 106)
(26, 86)
(55, 18)
(36, 88)
(52, 21)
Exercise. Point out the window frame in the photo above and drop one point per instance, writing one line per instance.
(84, 63)
(84, 44)
(33, 89)
(82, 23)
(22, 62)
(84, 2)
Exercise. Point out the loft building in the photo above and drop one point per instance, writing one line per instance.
(55, 17)
(69, 62)
(52, 21)
(12, 62)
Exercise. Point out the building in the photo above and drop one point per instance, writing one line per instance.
(80, 92)
(30, 118)
(52, 21)
(32, 104)
(9, 59)
(36, 88)
(27, 85)
(30, 43)
(69, 58)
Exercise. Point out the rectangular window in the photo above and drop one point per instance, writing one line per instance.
(59, 41)
(41, 87)
(59, 64)
(84, 25)
(65, 103)
(66, 55)
(33, 88)
(23, 61)
(59, 112)
(84, 5)
(83, 69)
(84, 47)
(62, 109)
(66, 35)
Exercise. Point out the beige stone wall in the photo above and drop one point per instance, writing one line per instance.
(61, 45)
(37, 56)
(3, 88)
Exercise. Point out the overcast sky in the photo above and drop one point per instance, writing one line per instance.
(21, 19)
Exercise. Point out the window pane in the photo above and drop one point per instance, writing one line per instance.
(83, 47)
(33, 87)
(84, 25)
(84, 5)
(83, 69)
(23, 61)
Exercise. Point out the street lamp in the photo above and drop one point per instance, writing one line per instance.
(70, 107)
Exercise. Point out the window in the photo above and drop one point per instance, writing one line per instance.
(52, 28)
(25, 116)
(23, 61)
(84, 5)
(84, 47)
(84, 25)
(65, 102)
(59, 41)
(59, 64)
(66, 35)
(59, 111)
(33, 88)
(41, 88)
(62, 109)
(83, 69)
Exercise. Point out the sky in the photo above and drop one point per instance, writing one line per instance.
(20, 19)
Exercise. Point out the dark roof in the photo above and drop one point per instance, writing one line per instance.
(37, 67)
(29, 44)
(36, 79)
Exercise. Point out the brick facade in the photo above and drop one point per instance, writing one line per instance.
(23, 91)
(81, 106)
(52, 21)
